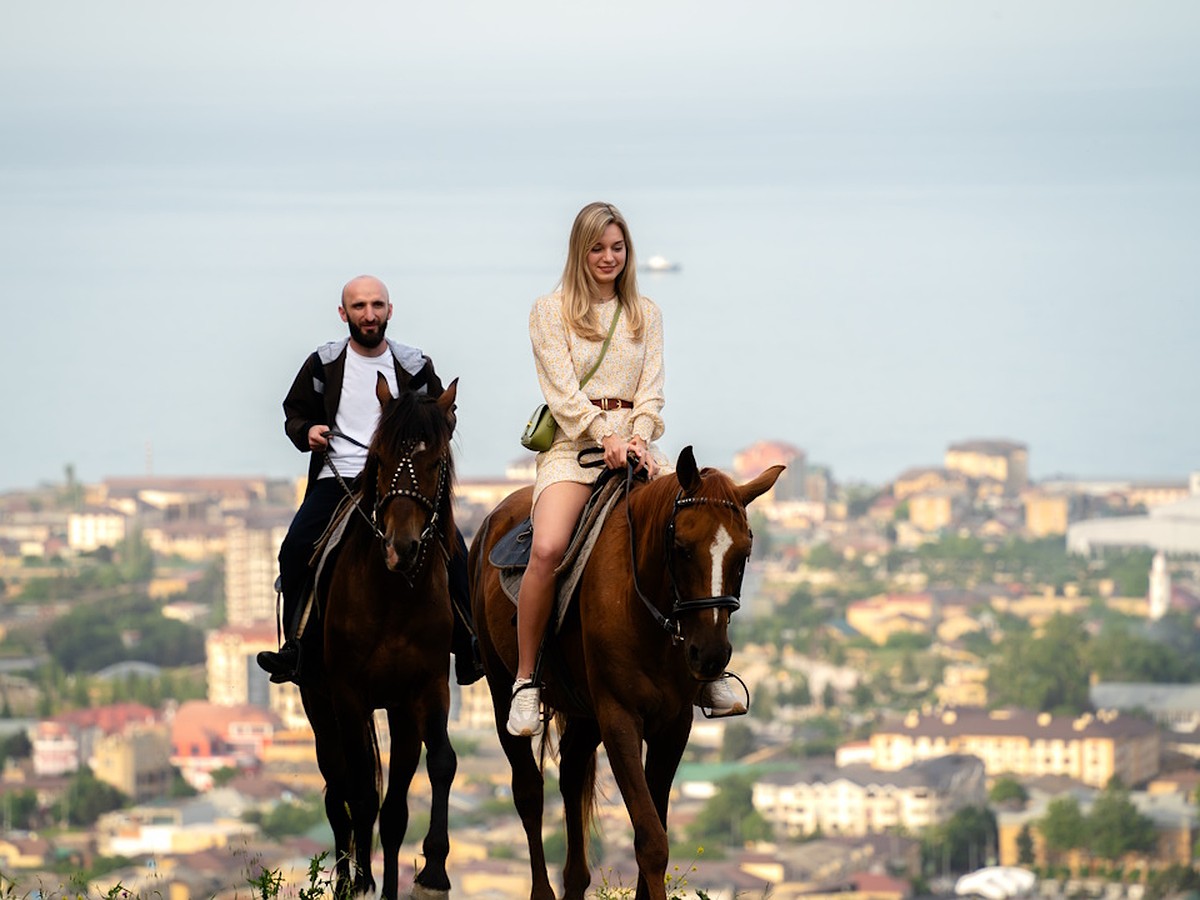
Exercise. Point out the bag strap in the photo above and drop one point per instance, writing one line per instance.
(611, 329)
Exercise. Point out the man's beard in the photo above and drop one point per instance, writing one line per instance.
(370, 341)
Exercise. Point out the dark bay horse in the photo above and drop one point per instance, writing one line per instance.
(386, 645)
(646, 629)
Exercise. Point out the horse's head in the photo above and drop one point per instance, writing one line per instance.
(708, 544)
(410, 470)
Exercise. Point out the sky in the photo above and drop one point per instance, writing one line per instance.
(900, 223)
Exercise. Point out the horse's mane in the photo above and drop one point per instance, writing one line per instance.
(416, 417)
(413, 416)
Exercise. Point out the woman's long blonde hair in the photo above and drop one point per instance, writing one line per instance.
(578, 285)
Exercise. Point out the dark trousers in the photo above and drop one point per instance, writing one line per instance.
(295, 554)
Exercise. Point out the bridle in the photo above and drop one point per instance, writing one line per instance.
(681, 607)
(403, 483)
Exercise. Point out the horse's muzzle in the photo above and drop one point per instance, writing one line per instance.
(401, 555)
(707, 662)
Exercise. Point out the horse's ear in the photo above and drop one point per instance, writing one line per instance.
(382, 391)
(760, 485)
(446, 403)
(686, 470)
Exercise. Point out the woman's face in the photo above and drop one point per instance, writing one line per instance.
(606, 258)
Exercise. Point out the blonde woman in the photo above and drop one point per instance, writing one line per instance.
(619, 410)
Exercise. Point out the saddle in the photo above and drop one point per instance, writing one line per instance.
(324, 552)
(510, 555)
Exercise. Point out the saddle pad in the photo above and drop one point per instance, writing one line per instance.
(324, 549)
(511, 553)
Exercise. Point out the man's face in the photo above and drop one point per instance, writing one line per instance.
(366, 309)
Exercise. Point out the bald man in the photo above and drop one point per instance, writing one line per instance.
(335, 388)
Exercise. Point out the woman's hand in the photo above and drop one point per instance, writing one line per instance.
(617, 451)
(645, 460)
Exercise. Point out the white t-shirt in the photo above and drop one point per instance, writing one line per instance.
(358, 410)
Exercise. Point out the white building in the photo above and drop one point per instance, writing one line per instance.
(1171, 528)
(252, 543)
(95, 528)
(858, 800)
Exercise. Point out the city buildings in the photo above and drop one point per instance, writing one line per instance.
(1089, 748)
(858, 800)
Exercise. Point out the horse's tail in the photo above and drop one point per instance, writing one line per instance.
(587, 798)
(375, 754)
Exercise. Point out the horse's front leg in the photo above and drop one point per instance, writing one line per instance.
(622, 734)
(441, 763)
(664, 750)
(393, 815)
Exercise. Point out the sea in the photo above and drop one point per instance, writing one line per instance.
(867, 294)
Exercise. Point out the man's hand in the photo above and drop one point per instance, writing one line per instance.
(317, 437)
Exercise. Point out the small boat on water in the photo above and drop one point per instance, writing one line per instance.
(660, 264)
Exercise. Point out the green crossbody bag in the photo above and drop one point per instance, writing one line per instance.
(539, 430)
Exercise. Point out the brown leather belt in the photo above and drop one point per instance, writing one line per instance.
(607, 403)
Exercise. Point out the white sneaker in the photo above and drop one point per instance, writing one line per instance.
(525, 710)
(720, 700)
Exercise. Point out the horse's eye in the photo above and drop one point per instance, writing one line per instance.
(683, 551)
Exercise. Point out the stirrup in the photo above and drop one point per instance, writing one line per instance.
(539, 717)
(713, 713)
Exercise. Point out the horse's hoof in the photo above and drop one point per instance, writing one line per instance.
(420, 892)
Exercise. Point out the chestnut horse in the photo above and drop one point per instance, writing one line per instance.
(386, 645)
(646, 628)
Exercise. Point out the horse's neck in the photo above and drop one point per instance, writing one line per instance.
(650, 511)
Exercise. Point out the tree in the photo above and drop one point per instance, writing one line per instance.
(15, 746)
(1063, 827)
(1120, 655)
(20, 810)
(760, 526)
(729, 818)
(285, 819)
(1115, 827)
(823, 556)
(963, 841)
(87, 798)
(737, 741)
(1025, 855)
(1008, 790)
(1046, 673)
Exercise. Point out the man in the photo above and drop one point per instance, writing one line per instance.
(335, 389)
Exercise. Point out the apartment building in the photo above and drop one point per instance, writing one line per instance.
(93, 528)
(883, 615)
(1006, 462)
(1046, 513)
(858, 800)
(234, 677)
(137, 763)
(206, 737)
(1089, 748)
(252, 542)
(60, 745)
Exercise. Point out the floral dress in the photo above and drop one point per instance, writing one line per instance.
(631, 370)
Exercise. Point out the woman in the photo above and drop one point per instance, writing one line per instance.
(619, 410)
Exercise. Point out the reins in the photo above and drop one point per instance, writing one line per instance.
(669, 623)
(331, 433)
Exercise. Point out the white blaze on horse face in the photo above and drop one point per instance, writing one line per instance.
(720, 546)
